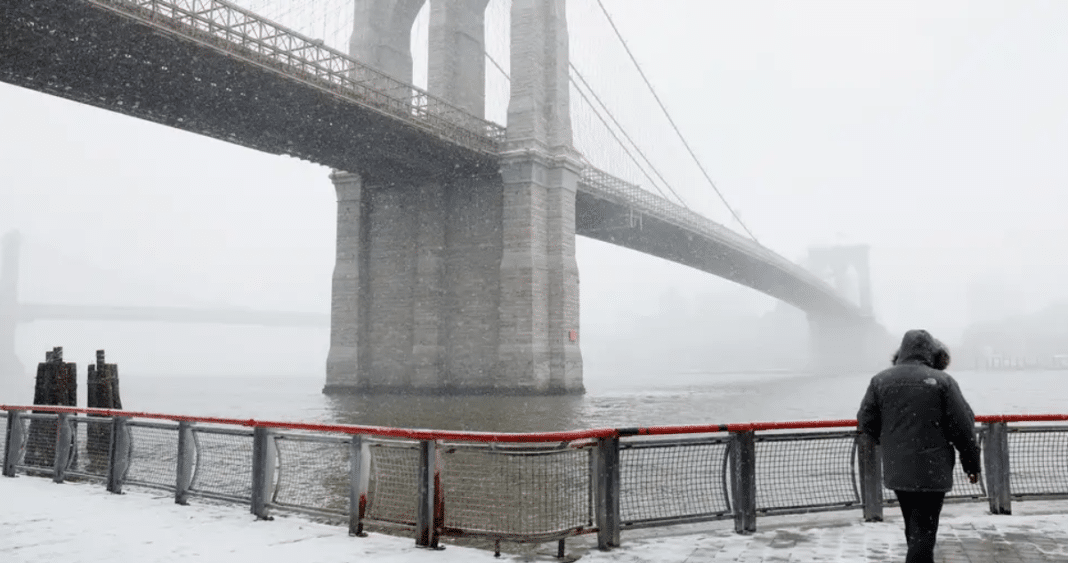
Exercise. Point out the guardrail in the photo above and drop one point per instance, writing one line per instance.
(532, 487)
(244, 34)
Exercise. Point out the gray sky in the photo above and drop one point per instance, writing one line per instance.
(935, 132)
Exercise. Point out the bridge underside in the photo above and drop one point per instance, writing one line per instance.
(77, 51)
(841, 340)
(614, 222)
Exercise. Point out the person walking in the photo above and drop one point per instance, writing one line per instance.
(917, 413)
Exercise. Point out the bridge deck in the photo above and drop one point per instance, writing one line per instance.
(250, 84)
(617, 212)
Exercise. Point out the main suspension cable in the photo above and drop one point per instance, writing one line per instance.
(578, 88)
(625, 135)
(672, 122)
(624, 147)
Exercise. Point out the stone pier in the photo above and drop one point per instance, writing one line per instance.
(842, 346)
(839, 344)
(461, 283)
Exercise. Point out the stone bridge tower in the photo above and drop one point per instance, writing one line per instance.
(838, 345)
(841, 261)
(463, 283)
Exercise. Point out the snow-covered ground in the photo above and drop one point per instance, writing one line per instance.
(74, 523)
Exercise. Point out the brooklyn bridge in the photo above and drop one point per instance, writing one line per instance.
(455, 258)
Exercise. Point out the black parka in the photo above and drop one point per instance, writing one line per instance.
(918, 415)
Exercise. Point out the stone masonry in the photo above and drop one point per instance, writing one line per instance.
(458, 283)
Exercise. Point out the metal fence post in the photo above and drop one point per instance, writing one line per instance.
(14, 442)
(996, 467)
(118, 454)
(870, 467)
(743, 480)
(186, 453)
(606, 492)
(263, 458)
(359, 480)
(64, 441)
(430, 512)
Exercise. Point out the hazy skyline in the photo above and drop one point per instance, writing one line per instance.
(936, 133)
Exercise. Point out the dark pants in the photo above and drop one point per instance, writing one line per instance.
(921, 511)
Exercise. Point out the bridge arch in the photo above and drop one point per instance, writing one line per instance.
(381, 35)
(453, 49)
(848, 269)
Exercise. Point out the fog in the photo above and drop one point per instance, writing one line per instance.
(934, 132)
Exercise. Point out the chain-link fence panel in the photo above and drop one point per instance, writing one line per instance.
(92, 438)
(394, 482)
(313, 472)
(962, 489)
(799, 472)
(153, 455)
(663, 481)
(223, 463)
(516, 491)
(41, 441)
(1038, 461)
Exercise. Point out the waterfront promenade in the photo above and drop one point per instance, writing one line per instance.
(77, 523)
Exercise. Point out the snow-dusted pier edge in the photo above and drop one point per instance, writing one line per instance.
(521, 487)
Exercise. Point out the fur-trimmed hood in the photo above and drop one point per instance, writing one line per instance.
(919, 346)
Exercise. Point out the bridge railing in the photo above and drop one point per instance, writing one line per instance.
(605, 185)
(246, 35)
(532, 487)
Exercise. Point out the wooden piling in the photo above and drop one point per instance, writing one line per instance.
(56, 384)
(102, 393)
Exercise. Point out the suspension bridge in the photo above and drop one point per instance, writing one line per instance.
(14, 312)
(455, 266)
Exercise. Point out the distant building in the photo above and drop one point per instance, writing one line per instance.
(1033, 341)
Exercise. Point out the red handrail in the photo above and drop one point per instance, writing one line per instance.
(413, 433)
(518, 437)
(1021, 417)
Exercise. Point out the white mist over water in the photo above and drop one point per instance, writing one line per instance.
(663, 400)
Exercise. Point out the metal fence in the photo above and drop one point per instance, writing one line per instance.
(262, 42)
(533, 487)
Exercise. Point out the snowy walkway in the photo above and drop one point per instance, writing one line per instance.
(75, 523)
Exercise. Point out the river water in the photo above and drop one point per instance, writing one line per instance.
(664, 399)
